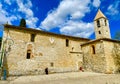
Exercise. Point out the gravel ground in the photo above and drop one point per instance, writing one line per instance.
(66, 78)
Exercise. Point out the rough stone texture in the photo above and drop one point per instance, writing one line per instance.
(104, 29)
(94, 62)
(112, 56)
(50, 50)
(108, 48)
(105, 59)
(46, 51)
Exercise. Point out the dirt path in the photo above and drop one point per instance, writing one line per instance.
(66, 78)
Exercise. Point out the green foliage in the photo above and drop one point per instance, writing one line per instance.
(0, 39)
(116, 55)
(117, 35)
(22, 23)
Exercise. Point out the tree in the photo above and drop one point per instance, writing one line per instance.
(22, 23)
(117, 35)
(116, 56)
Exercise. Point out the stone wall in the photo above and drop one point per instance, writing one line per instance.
(106, 57)
(116, 56)
(112, 56)
(94, 61)
(108, 48)
(46, 51)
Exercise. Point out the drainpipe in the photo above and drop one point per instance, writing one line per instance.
(3, 70)
(1, 60)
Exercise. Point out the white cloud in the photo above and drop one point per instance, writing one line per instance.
(31, 21)
(12, 18)
(113, 10)
(68, 17)
(23, 6)
(60, 15)
(8, 1)
(29, 4)
(96, 3)
(80, 29)
(3, 16)
(2, 10)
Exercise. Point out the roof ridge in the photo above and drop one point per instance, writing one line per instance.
(99, 15)
(45, 32)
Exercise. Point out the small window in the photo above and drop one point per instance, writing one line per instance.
(93, 49)
(32, 37)
(51, 64)
(98, 23)
(72, 48)
(99, 32)
(28, 54)
(67, 42)
(105, 23)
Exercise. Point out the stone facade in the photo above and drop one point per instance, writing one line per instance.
(47, 50)
(94, 59)
(101, 58)
(29, 51)
(112, 56)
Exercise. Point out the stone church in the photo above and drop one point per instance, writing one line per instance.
(28, 51)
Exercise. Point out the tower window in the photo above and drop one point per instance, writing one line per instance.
(93, 49)
(32, 37)
(99, 32)
(105, 23)
(98, 23)
(67, 42)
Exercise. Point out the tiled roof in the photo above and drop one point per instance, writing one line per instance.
(101, 39)
(43, 32)
(99, 15)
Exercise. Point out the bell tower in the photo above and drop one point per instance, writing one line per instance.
(101, 26)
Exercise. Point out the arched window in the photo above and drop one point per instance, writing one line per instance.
(98, 23)
(105, 22)
(28, 54)
(29, 51)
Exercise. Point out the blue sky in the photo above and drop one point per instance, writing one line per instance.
(69, 17)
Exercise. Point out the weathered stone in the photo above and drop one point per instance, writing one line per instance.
(103, 60)
(44, 51)
(30, 51)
